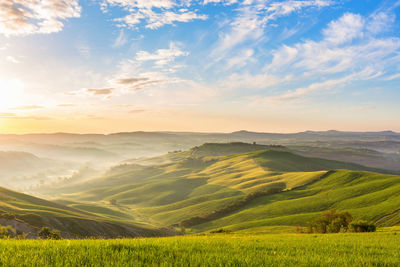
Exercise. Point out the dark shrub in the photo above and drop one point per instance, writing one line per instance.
(46, 233)
(220, 231)
(362, 226)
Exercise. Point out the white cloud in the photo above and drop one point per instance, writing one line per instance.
(379, 22)
(162, 56)
(226, 2)
(276, 9)
(253, 17)
(149, 4)
(345, 29)
(336, 53)
(154, 13)
(349, 52)
(157, 20)
(25, 17)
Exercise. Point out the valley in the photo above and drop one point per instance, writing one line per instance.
(235, 186)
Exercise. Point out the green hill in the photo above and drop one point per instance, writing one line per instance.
(199, 183)
(365, 195)
(28, 212)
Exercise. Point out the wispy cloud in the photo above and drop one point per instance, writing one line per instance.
(120, 40)
(253, 17)
(135, 83)
(241, 59)
(251, 81)
(99, 92)
(154, 13)
(162, 56)
(347, 45)
(28, 107)
(12, 59)
(14, 116)
(83, 49)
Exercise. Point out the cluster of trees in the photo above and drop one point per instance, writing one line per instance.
(228, 209)
(332, 221)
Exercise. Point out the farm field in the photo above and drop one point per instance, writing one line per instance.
(368, 249)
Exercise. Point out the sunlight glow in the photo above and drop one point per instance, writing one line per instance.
(11, 92)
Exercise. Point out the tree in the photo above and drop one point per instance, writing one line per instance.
(331, 221)
(46, 233)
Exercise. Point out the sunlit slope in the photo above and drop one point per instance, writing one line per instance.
(72, 220)
(199, 185)
(365, 195)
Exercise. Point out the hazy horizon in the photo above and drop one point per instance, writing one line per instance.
(201, 132)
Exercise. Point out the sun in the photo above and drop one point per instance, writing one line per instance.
(11, 92)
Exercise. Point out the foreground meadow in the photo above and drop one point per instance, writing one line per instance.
(371, 249)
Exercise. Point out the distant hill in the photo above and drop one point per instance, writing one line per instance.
(222, 149)
(16, 162)
(363, 156)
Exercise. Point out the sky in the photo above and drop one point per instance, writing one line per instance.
(106, 66)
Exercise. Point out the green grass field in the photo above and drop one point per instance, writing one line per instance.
(372, 249)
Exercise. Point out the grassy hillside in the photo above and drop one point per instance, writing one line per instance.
(365, 195)
(74, 220)
(190, 186)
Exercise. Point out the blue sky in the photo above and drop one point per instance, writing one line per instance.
(212, 65)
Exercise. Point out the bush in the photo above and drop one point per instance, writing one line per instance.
(331, 221)
(220, 231)
(360, 226)
(46, 233)
(7, 232)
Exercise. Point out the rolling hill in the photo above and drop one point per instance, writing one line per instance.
(225, 187)
(231, 185)
(27, 213)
